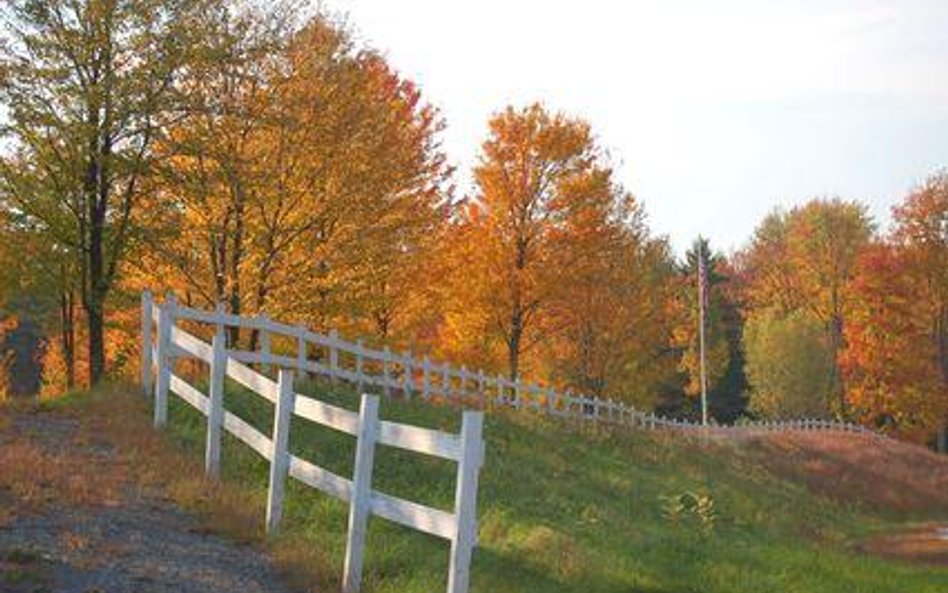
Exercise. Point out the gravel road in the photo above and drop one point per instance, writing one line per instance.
(135, 542)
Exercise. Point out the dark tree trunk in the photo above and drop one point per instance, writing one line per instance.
(93, 264)
(836, 380)
(513, 343)
(68, 336)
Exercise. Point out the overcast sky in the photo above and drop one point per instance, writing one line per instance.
(714, 112)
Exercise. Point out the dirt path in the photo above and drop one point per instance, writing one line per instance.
(72, 520)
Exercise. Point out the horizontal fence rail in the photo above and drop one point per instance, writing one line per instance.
(412, 377)
(459, 525)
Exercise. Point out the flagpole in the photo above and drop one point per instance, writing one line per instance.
(702, 280)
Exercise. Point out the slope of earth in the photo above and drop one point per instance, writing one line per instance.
(568, 507)
(76, 516)
(886, 476)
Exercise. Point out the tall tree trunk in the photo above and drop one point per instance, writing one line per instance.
(941, 343)
(93, 265)
(95, 302)
(68, 336)
(836, 384)
(514, 341)
(236, 260)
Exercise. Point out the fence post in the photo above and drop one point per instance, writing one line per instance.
(359, 377)
(163, 354)
(264, 344)
(446, 383)
(426, 378)
(465, 502)
(409, 382)
(146, 343)
(501, 395)
(301, 351)
(280, 458)
(333, 354)
(462, 385)
(517, 396)
(482, 389)
(219, 321)
(386, 372)
(215, 412)
(361, 493)
(550, 401)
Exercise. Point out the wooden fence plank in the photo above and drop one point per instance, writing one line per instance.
(326, 414)
(361, 493)
(465, 502)
(322, 479)
(420, 440)
(164, 360)
(215, 416)
(413, 515)
(280, 460)
(247, 434)
(188, 393)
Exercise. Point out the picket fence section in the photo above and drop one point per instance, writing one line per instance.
(465, 448)
(405, 374)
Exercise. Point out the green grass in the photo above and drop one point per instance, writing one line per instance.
(567, 508)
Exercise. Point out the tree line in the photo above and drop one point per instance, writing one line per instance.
(260, 157)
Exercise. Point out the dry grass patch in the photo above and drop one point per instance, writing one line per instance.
(35, 474)
(882, 474)
(159, 466)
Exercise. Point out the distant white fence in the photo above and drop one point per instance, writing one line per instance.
(403, 373)
(466, 448)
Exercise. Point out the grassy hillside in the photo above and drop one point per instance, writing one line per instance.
(569, 508)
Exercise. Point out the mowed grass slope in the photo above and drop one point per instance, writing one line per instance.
(564, 507)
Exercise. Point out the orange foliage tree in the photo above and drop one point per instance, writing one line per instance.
(889, 362)
(896, 356)
(309, 185)
(553, 271)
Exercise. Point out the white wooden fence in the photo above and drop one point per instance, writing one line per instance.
(403, 373)
(466, 448)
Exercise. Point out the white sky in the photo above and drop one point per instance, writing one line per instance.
(714, 112)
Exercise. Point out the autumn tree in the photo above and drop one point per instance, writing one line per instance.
(896, 342)
(90, 86)
(529, 186)
(607, 325)
(922, 230)
(310, 184)
(889, 363)
(804, 260)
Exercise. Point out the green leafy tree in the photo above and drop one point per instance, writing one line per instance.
(804, 260)
(90, 86)
(789, 364)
